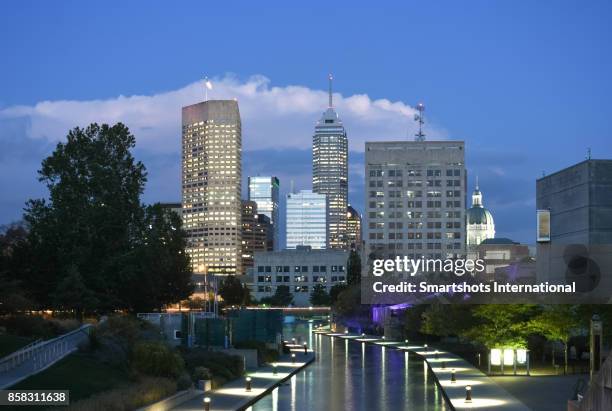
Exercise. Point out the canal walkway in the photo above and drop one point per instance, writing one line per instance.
(233, 396)
(485, 393)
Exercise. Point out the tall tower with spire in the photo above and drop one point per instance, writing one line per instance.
(480, 225)
(330, 170)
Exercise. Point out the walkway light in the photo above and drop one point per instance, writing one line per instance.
(521, 356)
(426, 348)
(206, 403)
(437, 354)
(274, 369)
(443, 365)
(346, 331)
(248, 383)
(496, 356)
(363, 334)
(406, 341)
(293, 341)
(468, 393)
(384, 337)
(305, 348)
(292, 358)
(453, 378)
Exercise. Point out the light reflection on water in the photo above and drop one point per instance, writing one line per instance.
(355, 376)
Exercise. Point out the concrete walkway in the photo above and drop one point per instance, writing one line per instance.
(33, 359)
(233, 395)
(544, 393)
(486, 394)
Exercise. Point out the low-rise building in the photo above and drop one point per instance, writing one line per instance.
(300, 269)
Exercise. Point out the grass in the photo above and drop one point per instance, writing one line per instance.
(11, 343)
(82, 374)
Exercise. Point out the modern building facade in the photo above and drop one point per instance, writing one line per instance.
(415, 199)
(300, 269)
(575, 223)
(330, 171)
(480, 224)
(265, 192)
(353, 228)
(174, 207)
(306, 224)
(211, 185)
(256, 233)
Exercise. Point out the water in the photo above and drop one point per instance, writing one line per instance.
(350, 375)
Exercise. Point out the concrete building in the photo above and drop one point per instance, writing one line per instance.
(353, 228)
(307, 220)
(300, 269)
(256, 233)
(480, 225)
(498, 253)
(330, 171)
(575, 223)
(265, 192)
(211, 180)
(415, 198)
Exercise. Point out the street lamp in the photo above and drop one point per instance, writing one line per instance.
(248, 383)
(468, 393)
(206, 403)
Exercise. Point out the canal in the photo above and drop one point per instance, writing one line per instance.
(350, 375)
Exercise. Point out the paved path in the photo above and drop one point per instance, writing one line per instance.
(233, 395)
(33, 359)
(486, 394)
(544, 393)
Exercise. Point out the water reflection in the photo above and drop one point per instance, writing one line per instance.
(355, 376)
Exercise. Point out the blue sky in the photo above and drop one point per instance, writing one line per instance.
(526, 84)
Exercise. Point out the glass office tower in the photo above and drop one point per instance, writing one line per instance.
(264, 191)
(307, 220)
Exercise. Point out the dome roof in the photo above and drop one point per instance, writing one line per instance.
(479, 215)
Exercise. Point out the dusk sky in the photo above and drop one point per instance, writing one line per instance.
(526, 84)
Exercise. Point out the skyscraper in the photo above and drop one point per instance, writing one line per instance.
(330, 171)
(353, 221)
(211, 174)
(415, 198)
(307, 220)
(264, 191)
(255, 233)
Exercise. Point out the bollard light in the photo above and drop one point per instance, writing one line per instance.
(292, 358)
(293, 340)
(468, 393)
(248, 383)
(437, 354)
(274, 369)
(443, 365)
(453, 378)
(383, 337)
(425, 347)
(346, 331)
(206, 403)
(305, 348)
(405, 341)
(363, 334)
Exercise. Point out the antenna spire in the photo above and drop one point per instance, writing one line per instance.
(420, 136)
(477, 182)
(330, 77)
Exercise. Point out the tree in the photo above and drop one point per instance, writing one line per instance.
(93, 229)
(13, 239)
(72, 293)
(501, 325)
(557, 323)
(353, 268)
(282, 297)
(319, 296)
(446, 319)
(335, 291)
(231, 290)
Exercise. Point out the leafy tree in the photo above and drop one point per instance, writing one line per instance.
(72, 293)
(446, 319)
(13, 239)
(557, 323)
(353, 268)
(282, 297)
(319, 296)
(231, 290)
(501, 325)
(335, 291)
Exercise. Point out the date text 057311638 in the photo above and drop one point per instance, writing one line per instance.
(34, 397)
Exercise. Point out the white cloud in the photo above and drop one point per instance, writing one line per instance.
(272, 117)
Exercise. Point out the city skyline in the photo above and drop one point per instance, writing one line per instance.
(525, 78)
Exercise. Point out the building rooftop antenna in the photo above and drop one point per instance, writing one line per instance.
(588, 153)
(330, 77)
(419, 118)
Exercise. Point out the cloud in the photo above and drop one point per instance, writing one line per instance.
(272, 117)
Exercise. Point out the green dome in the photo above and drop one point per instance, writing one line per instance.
(479, 215)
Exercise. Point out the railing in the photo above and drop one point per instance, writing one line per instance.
(40, 354)
(599, 395)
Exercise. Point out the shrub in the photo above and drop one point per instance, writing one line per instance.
(156, 359)
(145, 392)
(183, 382)
(222, 367)
(264, 354)
(201, 373)
(37, 326)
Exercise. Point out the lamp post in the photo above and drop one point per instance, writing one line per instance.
(406, 341)
(468, 393)
(443, 365)
(274, 369)
(206, 403)
(248, 383)
(453, 378)
(305, 348)
(383, 337)
(426, 348)
(436, 354)
(292, 358)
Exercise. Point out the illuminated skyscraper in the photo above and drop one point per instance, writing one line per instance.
(264, 191)
(307, 220)
(353, 220)
(211, 174)
(256, 233)
(330, 171)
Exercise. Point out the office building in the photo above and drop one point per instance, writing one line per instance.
(330, 171)
(211, 185)
(307, 220)
(265, 191)
(480, 224)
(353, 225)
(300, 269)
(498, 253)
(173, 207)
(256, 233)
(415, 198)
